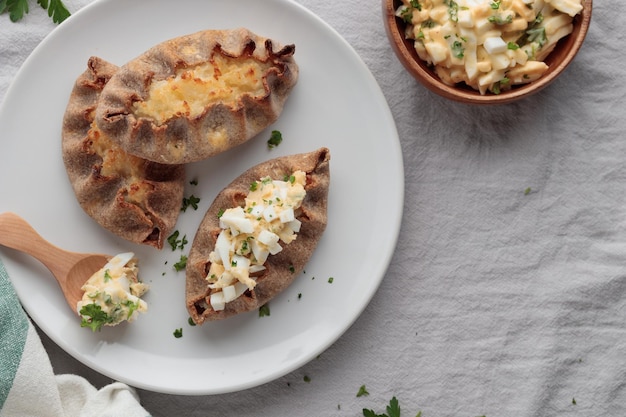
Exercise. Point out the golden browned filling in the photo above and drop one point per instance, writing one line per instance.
(223, 79)
(118, 164)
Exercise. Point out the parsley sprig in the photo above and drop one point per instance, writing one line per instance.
(393, 410)
(18, 8)
(94, 317)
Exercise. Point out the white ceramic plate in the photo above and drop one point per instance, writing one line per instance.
(336, 103)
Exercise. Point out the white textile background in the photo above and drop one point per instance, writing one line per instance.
(497, 302)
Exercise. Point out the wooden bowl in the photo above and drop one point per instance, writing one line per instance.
(562, 55)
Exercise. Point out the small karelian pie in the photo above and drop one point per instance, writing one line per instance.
(225, 272)
(195, 96)
(134, 198)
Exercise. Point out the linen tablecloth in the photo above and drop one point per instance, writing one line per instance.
(506, 294)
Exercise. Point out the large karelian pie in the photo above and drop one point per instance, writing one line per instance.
(136, 199)
(311, 171)
(197, 95)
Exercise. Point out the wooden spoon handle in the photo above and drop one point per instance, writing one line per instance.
(16, 233)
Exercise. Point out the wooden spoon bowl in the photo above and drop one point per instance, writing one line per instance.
(71, 269)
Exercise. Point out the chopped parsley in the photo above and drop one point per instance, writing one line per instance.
(362, 391)
(264, 310)
(191, 322)
(453, 9)
(181, 264)
(132, 306)
(94, 317)
(107, 276)
(497, 19)
(292, 269)
(191, 201)
(512, 46)
(178, 333)
(457, 49)
(176, 243)
(330, 280)
(407, 15)
(534, 33)
(275, 139)
(307, 378)
(18, 8)
(416, 5)
(527, 191)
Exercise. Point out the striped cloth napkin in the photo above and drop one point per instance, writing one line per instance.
(28, 385)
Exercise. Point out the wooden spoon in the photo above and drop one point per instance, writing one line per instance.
(70, 269)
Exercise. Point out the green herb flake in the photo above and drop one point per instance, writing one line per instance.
(527, 191)
(330, 280)
(499, 20)
(407, 15)
(458, 50)
(362, 391)
(192, 202)
(107, 276)
(175, 242)
(453, 10)
(191, 322)
(181, 264)
(275, 139)
(132, 306)
(178, 333)
(264, 310)
(254, 186)
(512, 46)
(307, 378)
(292, 269)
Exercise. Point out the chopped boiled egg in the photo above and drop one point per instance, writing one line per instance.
(252, 233)
(478, 41)
(112, 294)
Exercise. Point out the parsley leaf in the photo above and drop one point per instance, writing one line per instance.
(275, 139)
(176, 243)
(18, 8)
(264, 310)
(362, 391)
(94, 317)
(182, 264)
(56, 10)
(178, 333)
(458, 50)
(191, 201)
(393, 409)
(132, 306)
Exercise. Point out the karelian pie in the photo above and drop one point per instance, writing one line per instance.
(195, 96)
(218, 285)
(134, 198)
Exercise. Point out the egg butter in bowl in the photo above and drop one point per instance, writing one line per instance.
(486, 51)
